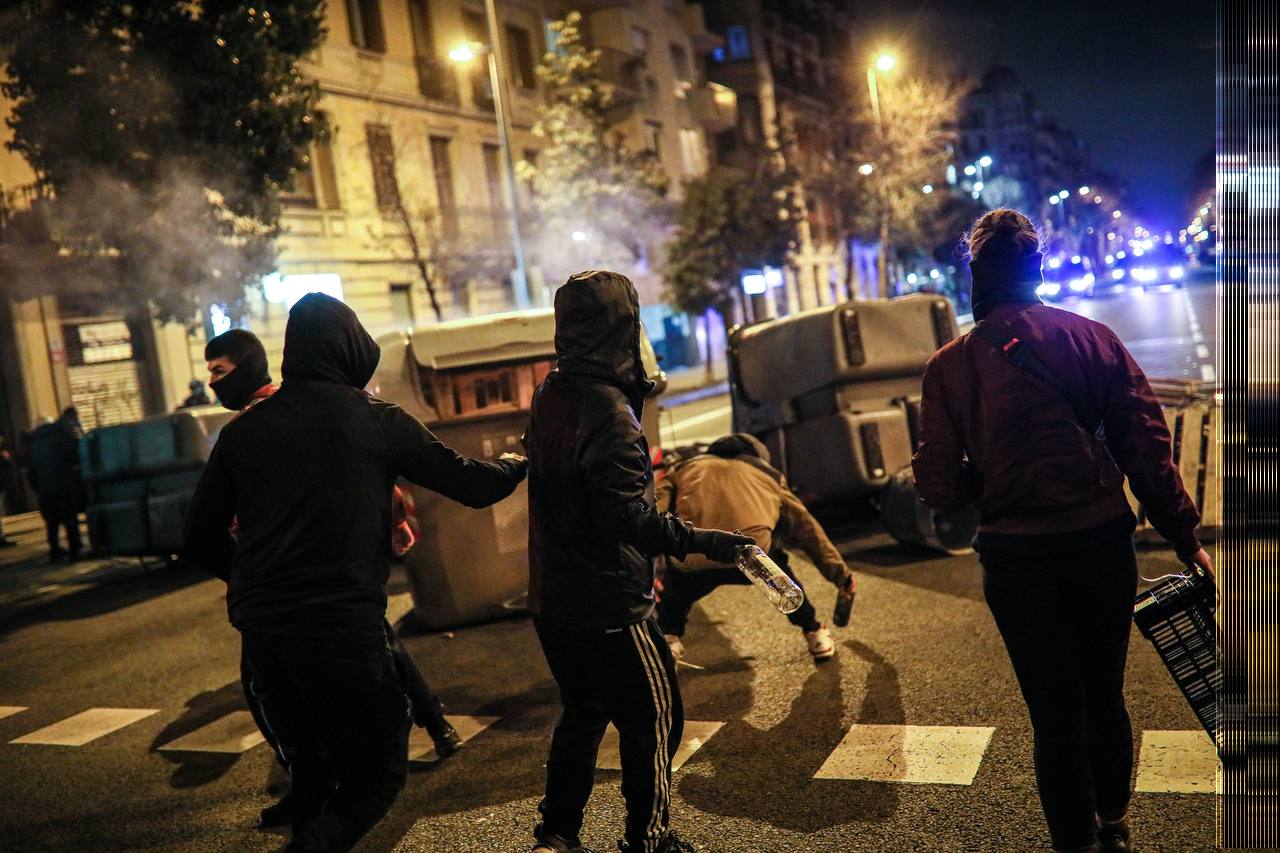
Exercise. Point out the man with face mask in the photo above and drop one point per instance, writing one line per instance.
(237, 365)
(307, 474)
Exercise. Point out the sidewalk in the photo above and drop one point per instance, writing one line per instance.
(688, 384)
(28, 578)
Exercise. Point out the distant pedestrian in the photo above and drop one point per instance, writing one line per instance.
(1037, 416)
(307, 474)
(594, 531)
(7, 464)
(733, 486)
(53, 464)
(239, 376)
(197, 397)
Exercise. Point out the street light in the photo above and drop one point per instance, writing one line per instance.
(985, 161)
(884, 62)
(971, 170)
(1063, 194)
(866, 168)
(926, 189)
(465, 53)
(1084, 190)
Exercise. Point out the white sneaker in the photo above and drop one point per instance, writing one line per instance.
(677, 646)
(821, 645)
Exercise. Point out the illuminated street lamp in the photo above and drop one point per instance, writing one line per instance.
(985, 161)
(465, 53)
(866, 168)
(971, 170)
(1084, 190)
(926, 189)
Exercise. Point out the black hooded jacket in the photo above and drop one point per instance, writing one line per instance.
(308, 474)
(593, 525)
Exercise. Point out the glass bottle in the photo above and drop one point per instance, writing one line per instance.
(780, 589)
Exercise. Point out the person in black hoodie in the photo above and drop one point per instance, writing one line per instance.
(594, 532)
(308, 474)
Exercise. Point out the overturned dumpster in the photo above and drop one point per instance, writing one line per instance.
(140, 477)
(471, 382)
(834, 393)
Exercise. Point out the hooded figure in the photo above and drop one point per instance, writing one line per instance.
(238, 362)
(594, 532)
(308, 475)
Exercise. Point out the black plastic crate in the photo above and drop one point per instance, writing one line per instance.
(1177, 617)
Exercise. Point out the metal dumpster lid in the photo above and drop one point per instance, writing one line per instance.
(491, 338)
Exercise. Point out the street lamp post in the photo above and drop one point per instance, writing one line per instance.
(497, 80)
(884, 62)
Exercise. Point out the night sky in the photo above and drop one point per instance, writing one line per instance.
(1133, 80)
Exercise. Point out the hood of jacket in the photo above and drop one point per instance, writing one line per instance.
(324, 342)
(1002, 278)
(598, 330)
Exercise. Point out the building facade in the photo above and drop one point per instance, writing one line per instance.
(409, 186)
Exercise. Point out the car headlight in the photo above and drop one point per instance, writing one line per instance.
(1080, 285)
(1048, 288)
(1176, 272)
(1117, 274)
(1144, 274)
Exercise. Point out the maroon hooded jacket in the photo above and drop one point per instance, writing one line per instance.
(1032, 467)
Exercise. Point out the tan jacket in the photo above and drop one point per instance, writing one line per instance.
(737, 494)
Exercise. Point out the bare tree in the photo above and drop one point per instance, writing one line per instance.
(897, 156)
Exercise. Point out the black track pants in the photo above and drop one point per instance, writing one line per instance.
(625, 676)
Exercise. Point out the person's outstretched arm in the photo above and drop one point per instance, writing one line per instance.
(615, 469)
(425, 460)
(804, 531)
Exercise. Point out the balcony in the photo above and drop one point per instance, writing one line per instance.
(437, 79)
(716, 107)
(625, 70)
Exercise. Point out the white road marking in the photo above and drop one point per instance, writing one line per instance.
(696, 733)
(234, 733)
(714, 414)
(86, 726)
(1202, 351)
(931, 755)
(1177, 763)
(1207, 373)
(10, 710)
(423, 750)
(398, 606)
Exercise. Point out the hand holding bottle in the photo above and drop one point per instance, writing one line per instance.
(719, 546)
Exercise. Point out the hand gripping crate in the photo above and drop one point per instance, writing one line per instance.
(1177, 617)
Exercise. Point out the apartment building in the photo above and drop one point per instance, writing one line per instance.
(414, 150)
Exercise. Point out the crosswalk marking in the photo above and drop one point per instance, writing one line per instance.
(935, 755)
(398, 606)
(86, 726)
(10, 710)
(421, 748)
(696, 733)
(233, 733)
(1178, 762)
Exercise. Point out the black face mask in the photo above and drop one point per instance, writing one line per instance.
(236, 388)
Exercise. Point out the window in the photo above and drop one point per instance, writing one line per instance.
(493, 175)
(693, 153)
(382, 158)
(322, 162)
(640, 41)
(473, 24)
(442, 171)
(680, 63)
(520, 45)
(364, 18)
(301, 190)
(401, 306)
(653, 139)
(436, 76)
(739, 42)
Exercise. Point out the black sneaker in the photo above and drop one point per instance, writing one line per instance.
(671, 843)
(552, 843)
(1114, 837)
(445, 737)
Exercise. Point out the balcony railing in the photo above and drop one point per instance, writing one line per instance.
(715, 106)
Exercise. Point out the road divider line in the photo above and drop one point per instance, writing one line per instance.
(10, 710)
(233, 733)
(87, 726)
(922, 755)
(682, 423)
(1177, 762)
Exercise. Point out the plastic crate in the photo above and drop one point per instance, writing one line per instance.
(1177, 617)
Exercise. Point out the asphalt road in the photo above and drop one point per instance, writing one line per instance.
(921, 653)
